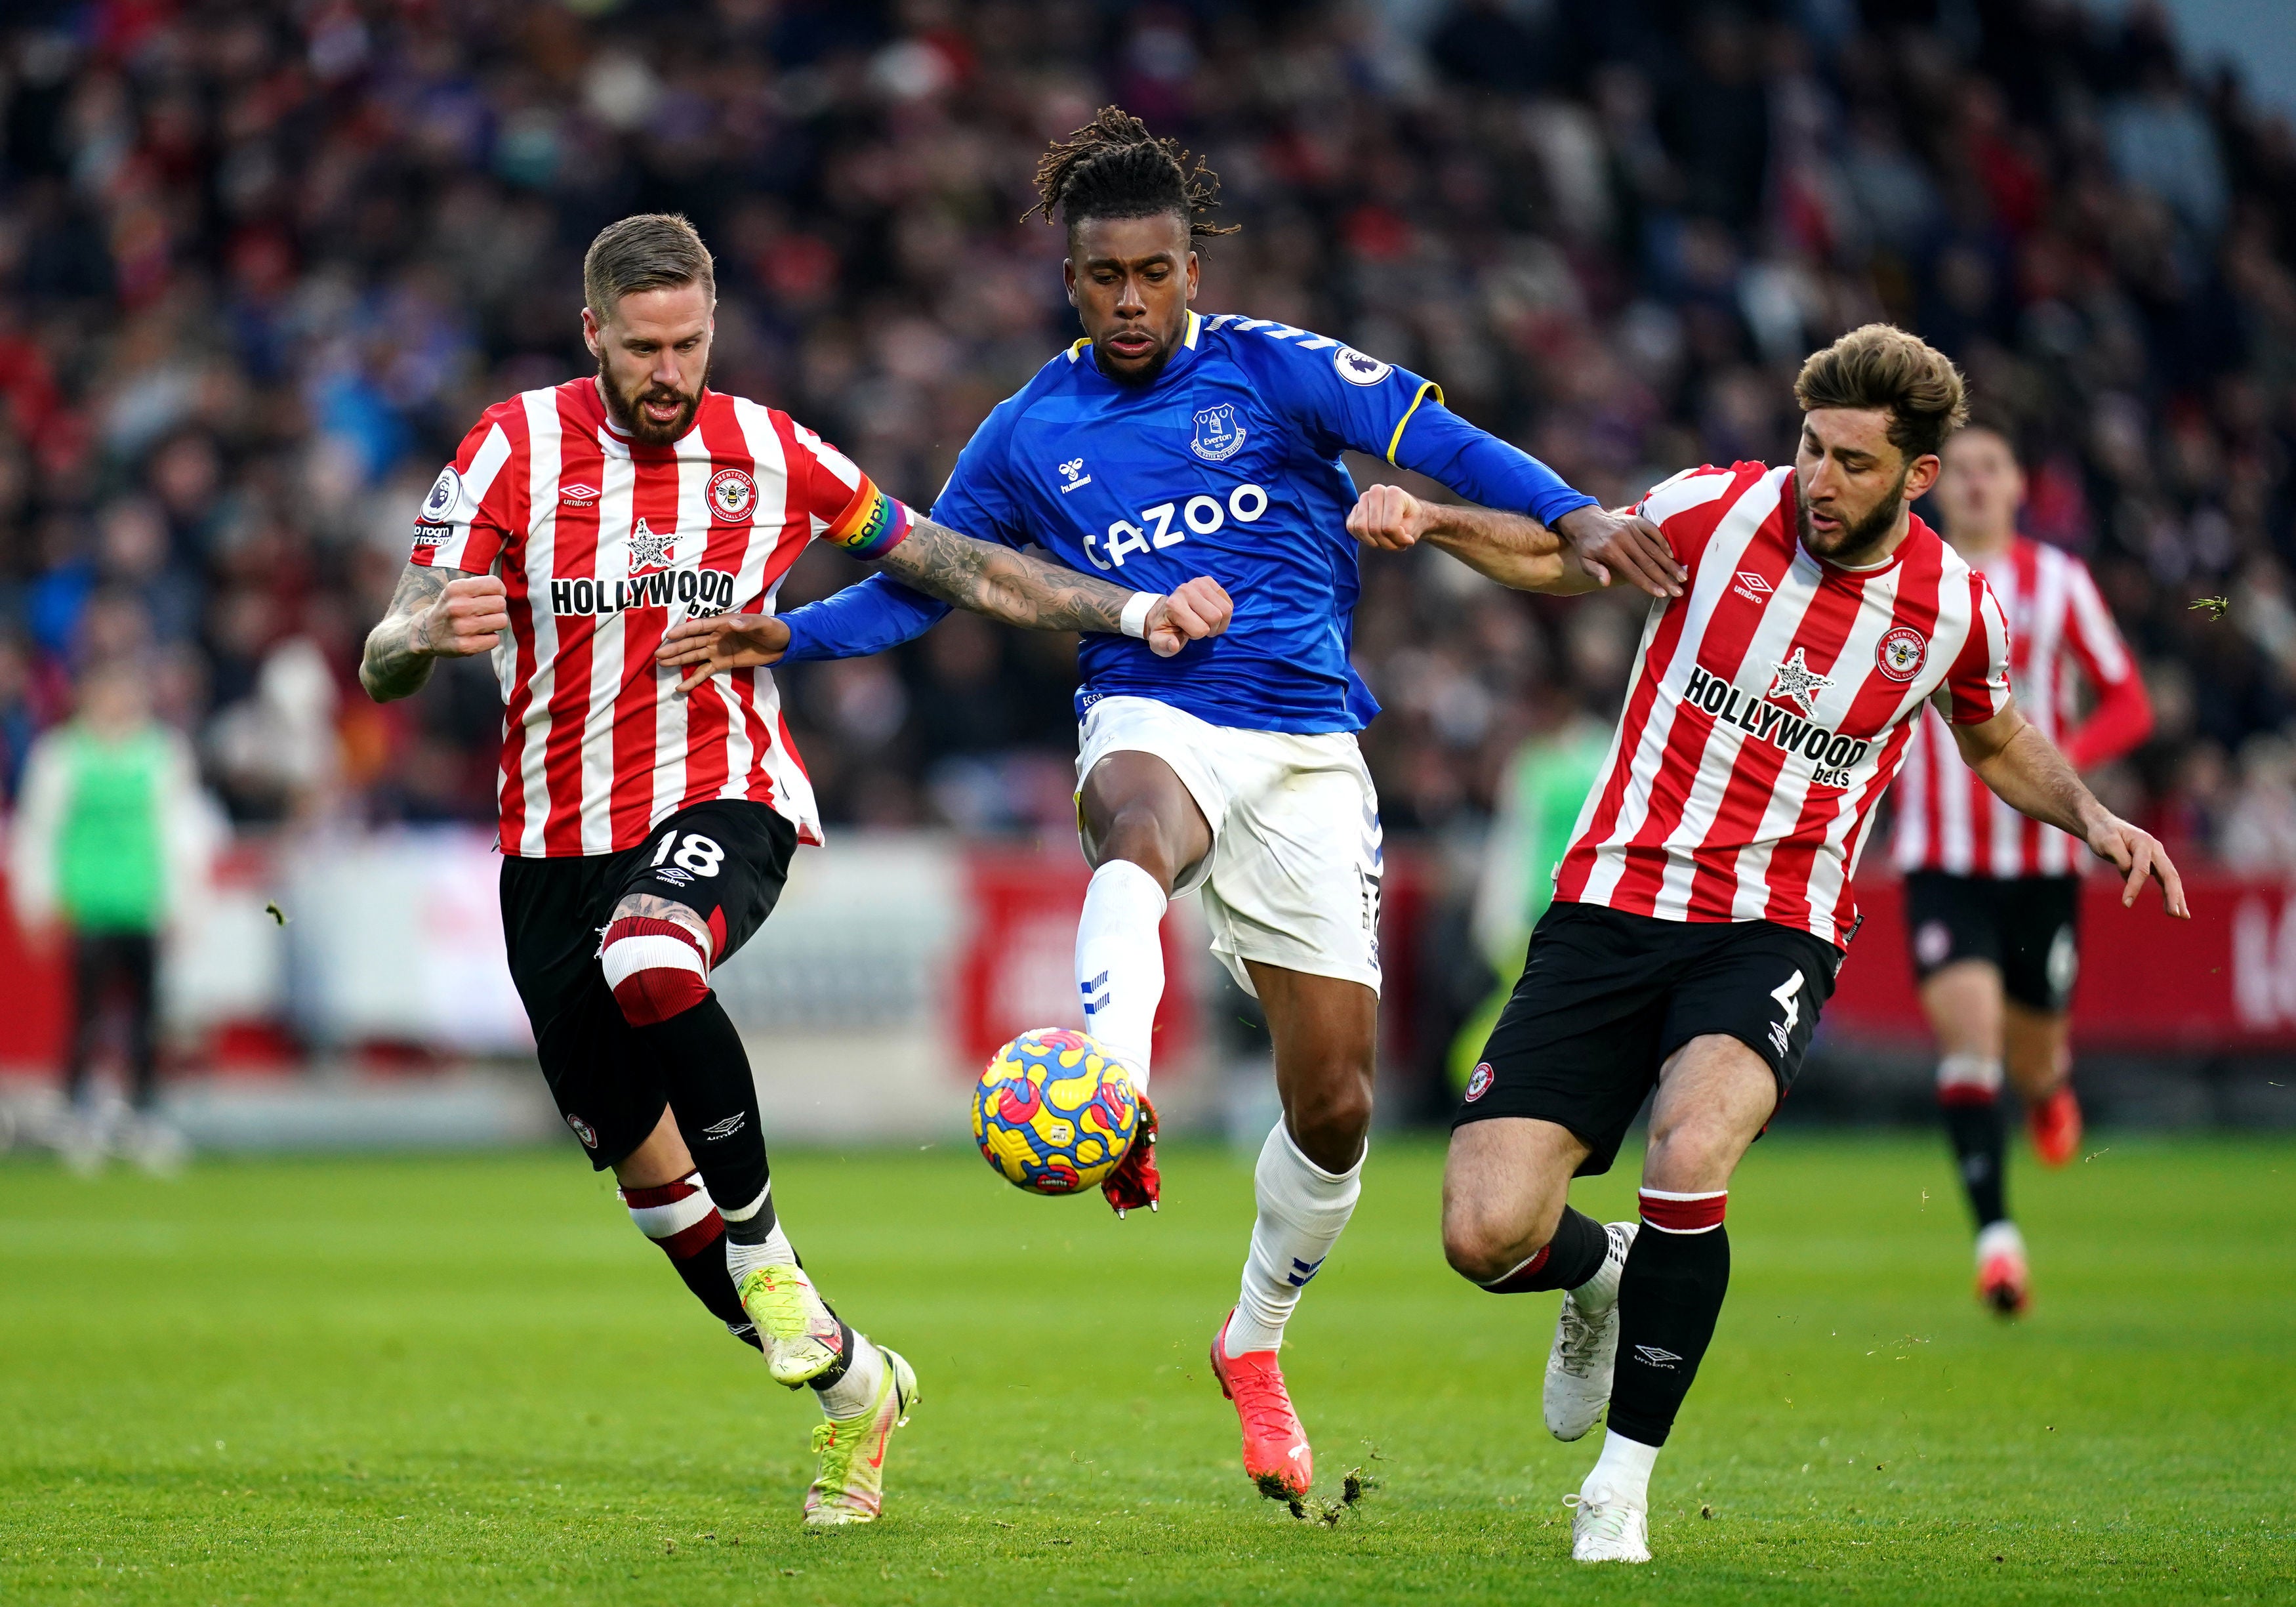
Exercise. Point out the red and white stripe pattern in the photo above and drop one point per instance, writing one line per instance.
(1947, 819)
(604, 544)
(1770, 709)
(1678, 1214)
(679, 1217)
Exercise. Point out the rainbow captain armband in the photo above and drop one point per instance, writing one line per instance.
(873, 524)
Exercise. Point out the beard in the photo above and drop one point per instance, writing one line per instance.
(1856, 541)
(624, 410)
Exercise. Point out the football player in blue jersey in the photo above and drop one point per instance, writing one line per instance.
(1166, 445)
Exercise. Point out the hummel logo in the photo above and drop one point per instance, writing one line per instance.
(1072, 471)
(1750, 586)
(726, 1128)
(1653, 1356)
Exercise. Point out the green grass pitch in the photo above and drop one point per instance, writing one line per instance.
(467, 1380)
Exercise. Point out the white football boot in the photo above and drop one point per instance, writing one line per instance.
(1586, 1343)
(1608, 1531)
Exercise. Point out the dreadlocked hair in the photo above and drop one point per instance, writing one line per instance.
(1113, 168)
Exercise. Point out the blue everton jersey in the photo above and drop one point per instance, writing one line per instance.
(1226, 466)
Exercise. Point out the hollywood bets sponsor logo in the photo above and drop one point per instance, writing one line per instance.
(1479, 1083)
(733, 495)
(702, 592)
(1901, 654)
(1767, 722)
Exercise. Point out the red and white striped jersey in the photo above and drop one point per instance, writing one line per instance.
(1947, 819)
(604, 544)
(1771, 707)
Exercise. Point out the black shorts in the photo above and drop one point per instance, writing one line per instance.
(724, 860)
(2028, 926)
(1606, 997)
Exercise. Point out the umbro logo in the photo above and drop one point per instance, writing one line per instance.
(579, 495)
(726, 1128)
(1750, 586)
(1653, 1356)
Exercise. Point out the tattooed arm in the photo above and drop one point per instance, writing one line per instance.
(985, 577)
(435, 613)
(1024, 590)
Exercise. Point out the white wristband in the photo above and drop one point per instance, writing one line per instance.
(1135, 619)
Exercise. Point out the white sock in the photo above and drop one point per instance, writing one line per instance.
(773, 1250)
(1622, 1472)
(1600, 1292)
(864, 1374)
(1303, 1209)
(1119, 962)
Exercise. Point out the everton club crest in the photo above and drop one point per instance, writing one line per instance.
(1219, 433)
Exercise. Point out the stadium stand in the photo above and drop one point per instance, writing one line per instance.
(260, 265)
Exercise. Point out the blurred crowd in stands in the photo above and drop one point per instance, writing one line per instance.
(262, 265)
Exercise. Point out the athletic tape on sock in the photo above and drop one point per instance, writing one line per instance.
(679, 1217)
(1968, 1079)
(1671, 1213)
(656, 969)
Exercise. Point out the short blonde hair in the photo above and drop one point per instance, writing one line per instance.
(651, 250)
(1882, 366)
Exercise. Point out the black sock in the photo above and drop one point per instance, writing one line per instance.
(1574, 1255)
(1668, 1299)
(715, 1103)
(1979, 1151)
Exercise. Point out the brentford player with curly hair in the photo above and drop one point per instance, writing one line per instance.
(614, 543)
(1702, 912)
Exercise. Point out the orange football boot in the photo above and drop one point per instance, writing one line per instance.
(1276, 1453)
(2056, 1126)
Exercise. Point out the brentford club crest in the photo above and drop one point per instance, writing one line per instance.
(732, 494)
(1479, 1083)
(1901, 654)
(582, 1131)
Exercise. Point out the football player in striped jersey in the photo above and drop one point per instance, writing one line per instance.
(649, 793)
(1992, 897)
(1702, 913)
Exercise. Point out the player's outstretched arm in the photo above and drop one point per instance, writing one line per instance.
(434, 614)
(1517, 550)
(1023, 589)
(983, 576)
(2027, 772)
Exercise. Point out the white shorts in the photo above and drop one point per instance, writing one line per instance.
(1293, 880)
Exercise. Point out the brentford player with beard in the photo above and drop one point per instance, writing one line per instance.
(649, 798)
(1702, 909)
(1993, 899)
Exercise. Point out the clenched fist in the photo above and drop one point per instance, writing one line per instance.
(467, 618)
(1193, 610)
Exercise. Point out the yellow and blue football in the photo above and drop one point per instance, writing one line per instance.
(1052, 1113)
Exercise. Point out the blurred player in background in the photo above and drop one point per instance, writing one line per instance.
(1546, 782)
(646, 832)
(1992, 898)
(1701, 915)
(112, 843)
(1161, 443)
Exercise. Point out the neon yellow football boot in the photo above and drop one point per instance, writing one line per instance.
(850, 1487)
(803, 1337)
